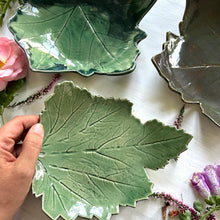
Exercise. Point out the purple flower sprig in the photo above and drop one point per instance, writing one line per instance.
(170, 201)
(207, 183)
(179, 120)
(39, 94)
(185, 212)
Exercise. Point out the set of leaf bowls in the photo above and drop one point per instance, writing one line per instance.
(100, 37)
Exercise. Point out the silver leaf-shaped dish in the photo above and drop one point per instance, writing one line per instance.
(191, 62)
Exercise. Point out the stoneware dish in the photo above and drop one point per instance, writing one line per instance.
(94, 154)
(190, 62)
(86, 36)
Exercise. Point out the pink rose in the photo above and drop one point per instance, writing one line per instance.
(14, 64)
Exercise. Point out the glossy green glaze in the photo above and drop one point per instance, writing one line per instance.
(84, 36)
(94, 154)
(191, 62)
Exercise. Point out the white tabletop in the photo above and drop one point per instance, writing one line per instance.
(151, 99)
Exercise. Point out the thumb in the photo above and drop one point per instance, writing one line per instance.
(31, 147)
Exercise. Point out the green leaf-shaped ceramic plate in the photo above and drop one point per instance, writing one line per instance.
(87, 36)
(94, 154)
(191, 62)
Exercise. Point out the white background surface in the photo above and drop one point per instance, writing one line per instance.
(151, 99)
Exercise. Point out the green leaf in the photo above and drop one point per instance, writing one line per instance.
(217, 200)
(209, 201)
(94, 154)
(84, 36)
(198, 206)
(7, 95)
(190, 62)
(185, 216)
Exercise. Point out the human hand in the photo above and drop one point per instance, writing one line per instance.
(18, 161)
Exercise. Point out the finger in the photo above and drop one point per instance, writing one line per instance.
(31, 147)
(14, 128)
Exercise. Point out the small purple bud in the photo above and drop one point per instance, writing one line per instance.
(199, 183)
(212, 179)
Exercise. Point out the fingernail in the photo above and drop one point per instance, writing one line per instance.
(38, 128)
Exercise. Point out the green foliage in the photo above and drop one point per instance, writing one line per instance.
(7, 95)
(198, 206)
(4, 5)
(213, 204)
(210, 201)
(185, 216)
(215, 199)
(94, 154)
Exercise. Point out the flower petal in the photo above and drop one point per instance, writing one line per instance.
(6, 74)
(199, 183)
(217, 169)
(5, 49)
(13, 60)
(3, 84)
(212, 179)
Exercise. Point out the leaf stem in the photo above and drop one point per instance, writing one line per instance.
(209, 212)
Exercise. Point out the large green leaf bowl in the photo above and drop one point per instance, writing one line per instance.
(86, 36)
(94, 153)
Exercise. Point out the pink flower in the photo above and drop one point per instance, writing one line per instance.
(199, 183)
(13, 62)
(207, 183)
